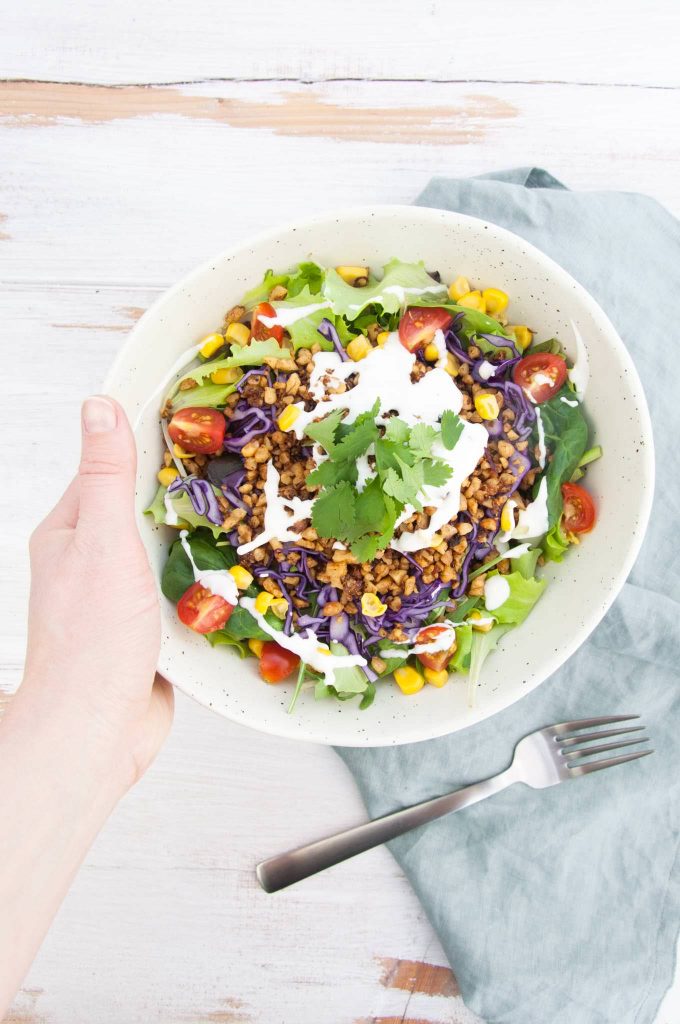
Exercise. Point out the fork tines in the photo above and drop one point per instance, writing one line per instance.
(576, 745)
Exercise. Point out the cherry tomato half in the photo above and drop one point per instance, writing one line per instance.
(260, 331)
(276, 663)
(203, 611)
(541, 375)
(418, 325)
(579, 509)
(438, 659)
(198, 429)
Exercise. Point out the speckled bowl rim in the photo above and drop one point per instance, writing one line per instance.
(282, 724)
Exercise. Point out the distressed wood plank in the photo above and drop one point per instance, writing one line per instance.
(161, 41)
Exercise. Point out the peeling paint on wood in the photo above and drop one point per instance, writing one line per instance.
(416, 976)
(234, 1011)
(296, 113)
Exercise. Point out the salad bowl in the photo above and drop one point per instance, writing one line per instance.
(579, 590)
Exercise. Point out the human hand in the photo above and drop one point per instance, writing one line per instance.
(94, 623)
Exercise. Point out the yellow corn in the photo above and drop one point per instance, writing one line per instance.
(280, 607)
(211, 344)
(358, 348)
(452, 365)
(473, 300)
(263, 602)
(408, 680)
(180, 453)
(480, 623)
(523, 335)
(242, 578)
(436, 678)
(496, 300)
(431, 353)
(508, 516)
(487, 406)
(288, 417)
(225, 375)
(459, 288)
(372, 606)
(256, 647)
(356, 276)
(436, 540)
(382, 338)
(237, 334)
(167, 475)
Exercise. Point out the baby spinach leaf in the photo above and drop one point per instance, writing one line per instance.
(178, 574)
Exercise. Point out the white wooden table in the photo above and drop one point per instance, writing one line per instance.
(136, 139)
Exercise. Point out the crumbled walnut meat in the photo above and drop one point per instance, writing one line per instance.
(234, 314)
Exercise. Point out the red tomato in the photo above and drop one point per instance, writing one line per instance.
(276, 663)
(203, 611)
(418, 325)
(438, 660)
(259, 330)
(541, 375)
(579, 509)
(198, 429)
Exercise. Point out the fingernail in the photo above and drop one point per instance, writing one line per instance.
(99, 415)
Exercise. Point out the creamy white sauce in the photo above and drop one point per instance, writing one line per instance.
(486, 370)
(532, 521)
(439, 342)
(337, 545)
(568, 401)
(496, 592)
(516, 552)
(287, 315)
(280, 514)
(217, 581)
(542, 453)
(180, 364)
(364, 471)
(171, 517)
(310, 649)
(444, 640)
(579, 375)
(401, 293)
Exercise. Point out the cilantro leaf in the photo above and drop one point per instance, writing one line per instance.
(396, 430)
(324, 430)
(365, 548)
(421, 440)
(435, 472)
(357, 441)
(329, 473)
(333, 511)
(405, 485)
(387, 454)
(452, 427)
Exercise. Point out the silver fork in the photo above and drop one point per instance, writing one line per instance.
(544, 758)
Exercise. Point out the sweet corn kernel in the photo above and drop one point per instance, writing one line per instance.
(242, 578)
(523, 335)
(459, 288)
(473, 300)
(382, 338)
(167, 475)
(480, 623)
(263, 602)
(431, 353)
(508, 516)
(358, 348)
(408, 680)
(436, 678)
(288, 417)
(452, 365)
(372, 606)
(435, 540)
(237, 334)
(487, 406)
(180, 453)
(496, 300)
(356, 276)
(225, 375)
(280, 607)
(256, 647)
(210, 345)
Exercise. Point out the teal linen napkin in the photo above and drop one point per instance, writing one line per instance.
(561, 906)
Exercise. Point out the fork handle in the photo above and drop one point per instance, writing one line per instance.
(287, 868)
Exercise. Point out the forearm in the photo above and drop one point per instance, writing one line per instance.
(60, 778)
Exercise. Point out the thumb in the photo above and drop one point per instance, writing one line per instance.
(107, 466)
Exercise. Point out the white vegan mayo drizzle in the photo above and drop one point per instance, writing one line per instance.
(568, 401)
(496, 592)
(486, 369)
(542, 453)
(171, 517)
(309, 648)
(217, 581)
(280, 514)
(532, 521)
(287, 315)
(444, 640)
(401, 293)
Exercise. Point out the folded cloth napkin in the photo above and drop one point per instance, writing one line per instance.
(560, 906)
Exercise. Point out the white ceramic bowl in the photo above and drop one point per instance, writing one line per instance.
(580, 590)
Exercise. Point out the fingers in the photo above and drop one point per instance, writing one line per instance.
(106, 478)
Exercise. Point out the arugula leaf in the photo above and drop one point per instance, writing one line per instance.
(323, 431)
(421, 440)
(452, 427)
(368, 697)
(524, 593)
(178, 574)
(220, 638)
(350, 302)
(566, 437)
(552, 345)
(333, 511)
(436, 472)
(396, 430)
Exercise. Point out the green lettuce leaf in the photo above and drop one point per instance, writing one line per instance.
(524, 593)
(188, 519)
(555, 543)
(306, 275)
(482, 645)
(350, 302)
(460, 662)
(206, 395)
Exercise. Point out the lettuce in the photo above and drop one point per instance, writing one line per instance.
(188, 519)
(555, 543)
(306, 275)
(524, 593)
(409, 277)
(483, 644)
(206, 395)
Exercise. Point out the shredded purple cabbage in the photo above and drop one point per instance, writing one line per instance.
(461, 585)
(230, 488)
(257, 371)
(201, 496)
(247, 422)
(327, 330)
